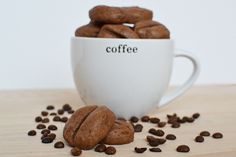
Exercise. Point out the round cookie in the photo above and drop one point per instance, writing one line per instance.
(119, 15)
(90, 30)
(151, 30)
(121, 133)
(88, 126)
(116, 31)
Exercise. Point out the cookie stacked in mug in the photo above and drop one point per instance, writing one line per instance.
(122, 22)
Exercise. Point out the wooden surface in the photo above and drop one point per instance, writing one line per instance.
(217, 105)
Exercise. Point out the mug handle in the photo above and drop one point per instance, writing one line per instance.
(182, 89)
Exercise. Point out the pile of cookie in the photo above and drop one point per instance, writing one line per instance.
(122, 22)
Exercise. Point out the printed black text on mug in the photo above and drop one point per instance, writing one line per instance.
(121, 49)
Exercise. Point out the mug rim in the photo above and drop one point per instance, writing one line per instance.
(120, 39)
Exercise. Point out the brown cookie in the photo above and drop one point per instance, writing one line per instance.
(119, 15)
(121, 133)
(151, 30)
(90, 30)
(116, 31)
(88, 126)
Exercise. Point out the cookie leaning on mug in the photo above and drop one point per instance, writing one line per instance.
(119, 15)
(88, 126)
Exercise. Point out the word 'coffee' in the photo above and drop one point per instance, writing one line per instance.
(122, 49)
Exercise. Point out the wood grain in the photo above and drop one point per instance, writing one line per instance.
(217, 105)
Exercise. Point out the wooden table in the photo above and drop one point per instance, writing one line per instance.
(217, 105)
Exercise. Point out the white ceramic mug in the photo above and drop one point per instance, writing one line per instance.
(130, 76)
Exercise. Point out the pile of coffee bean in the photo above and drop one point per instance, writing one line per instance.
(157, 135)
(47, 130)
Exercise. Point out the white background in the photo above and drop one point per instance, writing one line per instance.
(35, 35)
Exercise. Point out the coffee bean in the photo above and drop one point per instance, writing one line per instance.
(44, 135)
(154, 143)
(196, 115)
(175, 125)
(170, 137)
(50, 107)
(180, 120)
(56, 119)
(138, 128)
(59, 145)
(52, 127)
(171, 116)
(140, 150)
(32, 133)
(60, 111)
(217, 135)
(76, 151)
(145, 119)
(38, 119)
(183, 148)
(155, 149)
(154, 120)
(70, 111)
(110, 150)
(190, 119)
(100, 148)
(205, 133)
(41, 126)
(52, 135)
(172, 120)
(45, 120)
(64, 119)
(45, 131)
(185, 119)
(161, 124)
(134, 119)
(66, 107)
(150, 138)
(44, 113)
(161, 140)
(53, 114)
(199, 139)
(47, 140)
(160, 132)
(152, 131)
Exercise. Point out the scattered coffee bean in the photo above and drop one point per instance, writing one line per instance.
(44, 135)
(134, 119)
(41, 126)
(45, 131)
(32, 133)
(138, 128)
(161, 140)
(196, 115)
(205, 133)
(154, 120)
(199, 139)
(152, 131)
(161, 124)
(70, 111)
(175, 125)
(171, 116)
(52, 127)
(170, 137)
(160, 132)
(145, 119)
(60, 111)
(140, 150)
(52, 135)
(155, 149)
(64, 119)
(45, 120)
(56, 119)
(154, 143)
(150, 138)
(59, 145)
(180, 120)
(190, 119)
(50, 107)
(110, 150)
(100, 148)
(47, 140)
(185, 119)
(217, 135)
(38, 119)
(183, 148)
(44, 113)
(53, 114)
(66, 107)
(76, 151)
